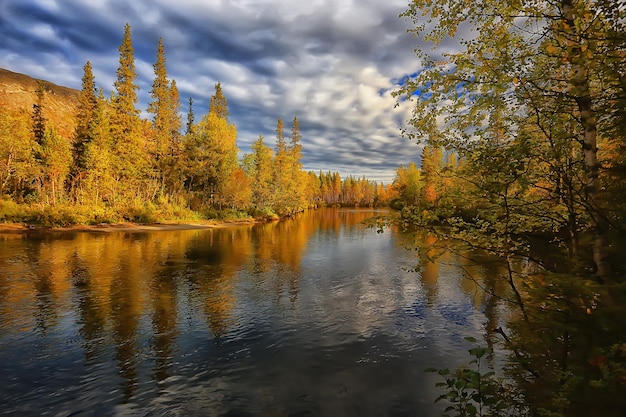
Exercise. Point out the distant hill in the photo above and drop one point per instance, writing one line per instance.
(18, 93)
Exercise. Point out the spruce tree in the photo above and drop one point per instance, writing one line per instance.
(125, 97)
(218, 104)
(190, 118)
(166, 121)
(85, 119)
(158, 107)
(38, 118)
(129, 143)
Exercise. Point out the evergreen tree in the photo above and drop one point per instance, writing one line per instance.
(100, 183)
(190, 118)
(159, 106)
(166, 122)
(218, 103)
(85, 122)
(125, 98)
(295, 148)
(281, 167)
(129, 143)
(38, 118)
(297, 179)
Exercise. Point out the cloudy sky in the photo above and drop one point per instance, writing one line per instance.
(331, 63)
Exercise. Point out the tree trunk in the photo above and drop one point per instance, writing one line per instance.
(580, 91)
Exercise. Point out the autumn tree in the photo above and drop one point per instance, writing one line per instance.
(56, 159)
(431, 172)
(262, 174)
(237, 190)
(408, 183)
(528, 100)
(17, 163)
(211, 151)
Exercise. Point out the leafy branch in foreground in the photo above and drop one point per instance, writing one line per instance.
(471, 392)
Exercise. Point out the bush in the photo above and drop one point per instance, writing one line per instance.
(470, 392)
(265, 213)
(10, 211)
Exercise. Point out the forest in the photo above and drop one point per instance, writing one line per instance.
(524, 134)
(118, 167)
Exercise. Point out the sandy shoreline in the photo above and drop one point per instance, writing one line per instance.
(119, 227)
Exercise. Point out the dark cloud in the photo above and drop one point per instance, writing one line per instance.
(333, 64)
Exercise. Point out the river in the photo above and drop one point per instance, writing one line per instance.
(312, 316)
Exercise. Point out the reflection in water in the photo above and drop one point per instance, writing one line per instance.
(314, 314)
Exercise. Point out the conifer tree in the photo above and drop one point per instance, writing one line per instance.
(190, 118)
(85, 122)
(159, 107)
(38, 118)
(295, 148)
(166, 121)
(129, 146)
(280, 161)
(218, 103)
(125, 98)
(99, 182)
(297, 179)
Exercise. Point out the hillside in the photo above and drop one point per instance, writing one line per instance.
(18, 93)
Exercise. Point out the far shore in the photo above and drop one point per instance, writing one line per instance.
(122, 227)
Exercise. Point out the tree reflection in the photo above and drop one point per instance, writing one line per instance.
(164, 322)
(127, 291)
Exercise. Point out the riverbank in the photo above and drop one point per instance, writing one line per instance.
(124, 227)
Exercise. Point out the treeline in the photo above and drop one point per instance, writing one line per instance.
(524, 130)
(118, 166)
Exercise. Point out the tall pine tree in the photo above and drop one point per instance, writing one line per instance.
(85, 123)
(166, 122)
(129, 146)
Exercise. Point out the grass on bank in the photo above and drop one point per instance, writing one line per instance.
(135, 211)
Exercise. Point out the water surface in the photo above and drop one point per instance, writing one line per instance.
(312, 316)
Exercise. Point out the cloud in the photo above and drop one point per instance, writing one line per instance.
(333, 64)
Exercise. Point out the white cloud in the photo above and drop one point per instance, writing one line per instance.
(329, 62)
